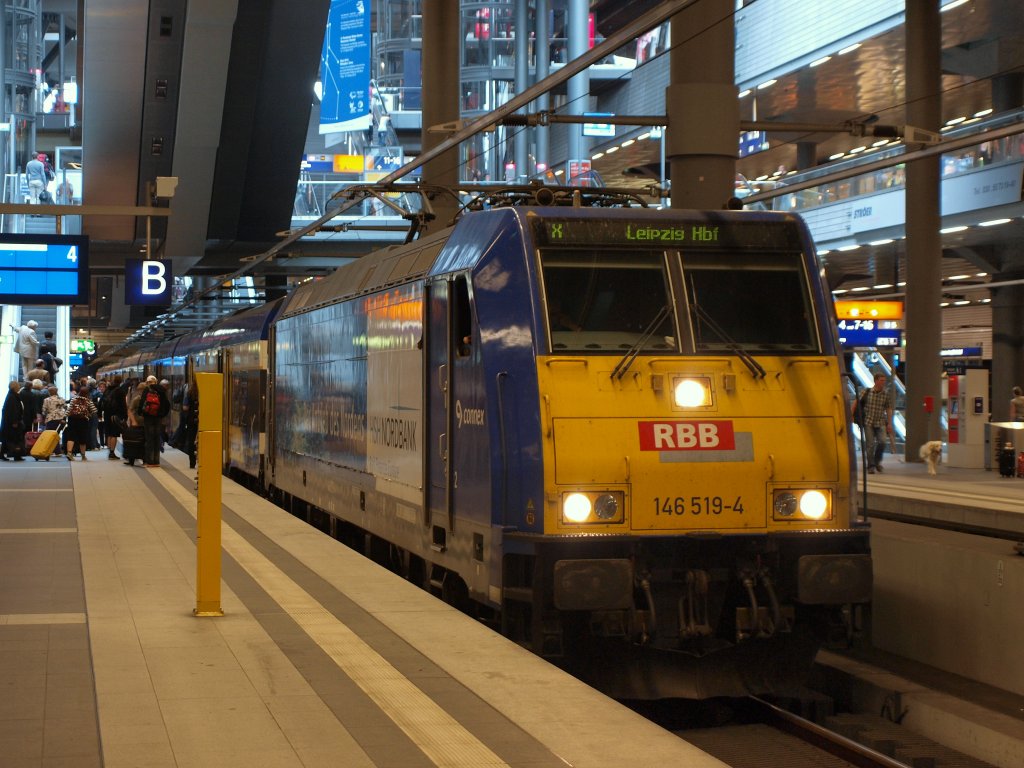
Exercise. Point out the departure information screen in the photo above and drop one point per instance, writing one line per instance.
(708, 232)
(44, 269)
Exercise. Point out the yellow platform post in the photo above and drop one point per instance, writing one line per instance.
(211, 389)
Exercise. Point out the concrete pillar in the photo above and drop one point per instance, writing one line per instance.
(442, 45)
(1007, 341)
(543, 68)
(806, 155)
(1007, 91)
(522, 83)
(702, 106)
(924, 244)
(578, 87)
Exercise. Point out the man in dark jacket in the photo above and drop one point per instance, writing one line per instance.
(153, 405)
(115, 413)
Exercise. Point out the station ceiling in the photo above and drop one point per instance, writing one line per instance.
(253, 188)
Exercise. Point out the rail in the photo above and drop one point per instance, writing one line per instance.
(822, 738)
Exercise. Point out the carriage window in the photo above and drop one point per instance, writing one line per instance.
(759, 302)
(606, 301)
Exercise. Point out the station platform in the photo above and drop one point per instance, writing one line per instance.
(321, 658)
(945, 616)
(964, 498)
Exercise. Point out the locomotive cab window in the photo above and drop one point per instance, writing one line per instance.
(756, 302)
(607, 301)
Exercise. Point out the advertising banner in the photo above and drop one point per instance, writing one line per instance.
(345, 68)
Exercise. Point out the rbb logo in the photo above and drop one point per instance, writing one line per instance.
(148, 281)
(686, 436)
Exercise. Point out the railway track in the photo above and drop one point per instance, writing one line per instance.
(762, 735)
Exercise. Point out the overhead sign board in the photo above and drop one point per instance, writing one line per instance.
(148, 281)
(869, 310)
(600, 130)
(51, 270)
(868, 333)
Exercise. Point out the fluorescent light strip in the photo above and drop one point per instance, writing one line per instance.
(849, 49)
(993, 222)
(951, 230)
(819, 62)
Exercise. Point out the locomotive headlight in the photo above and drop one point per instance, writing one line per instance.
(802, 504)
(593, 507)
(606, 506)
(813, 505)
(692, 392)
(576, 508)
(785, 504)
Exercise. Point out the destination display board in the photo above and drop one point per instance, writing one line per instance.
(44, 269)
(712, 232)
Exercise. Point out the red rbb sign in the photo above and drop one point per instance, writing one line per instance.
(686, 436)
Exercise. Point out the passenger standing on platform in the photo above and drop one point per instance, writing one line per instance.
(39, 395)
(1017, 405)
(12, 426)
(35, 176)
(152, 406)
(875, 407)
(81, 409)
(115, 413)
(29, 404)
(99, 398)
(55, 409)
(190, 422)
(27, 345)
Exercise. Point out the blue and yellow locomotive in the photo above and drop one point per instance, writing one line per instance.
(622, 432)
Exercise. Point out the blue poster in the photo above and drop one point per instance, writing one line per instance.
(345, 68)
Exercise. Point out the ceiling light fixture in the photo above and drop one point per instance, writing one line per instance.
(849, 49)
(951, 230)
(767, 84)
(744, 93)
(993, 222)
(983, 112)
(819, 62)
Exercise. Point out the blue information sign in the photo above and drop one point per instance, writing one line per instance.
(44, 269)
(882, 338)
(148, 281)
(345, 68)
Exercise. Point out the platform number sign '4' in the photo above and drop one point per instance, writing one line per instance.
(73, 254)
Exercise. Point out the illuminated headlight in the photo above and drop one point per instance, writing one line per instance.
(593, 507)
(802, 504)
(813, 505)
(693, 392)
(576, 508)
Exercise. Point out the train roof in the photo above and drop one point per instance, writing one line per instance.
(384, 267)
(249, 324)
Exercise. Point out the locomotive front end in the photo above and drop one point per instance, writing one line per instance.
(695, 436)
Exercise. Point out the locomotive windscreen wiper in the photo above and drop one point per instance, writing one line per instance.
(748, 360)
(632, 352)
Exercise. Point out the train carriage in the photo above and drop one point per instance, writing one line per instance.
(624, 430)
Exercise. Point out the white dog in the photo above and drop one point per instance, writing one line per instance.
(931, 452)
